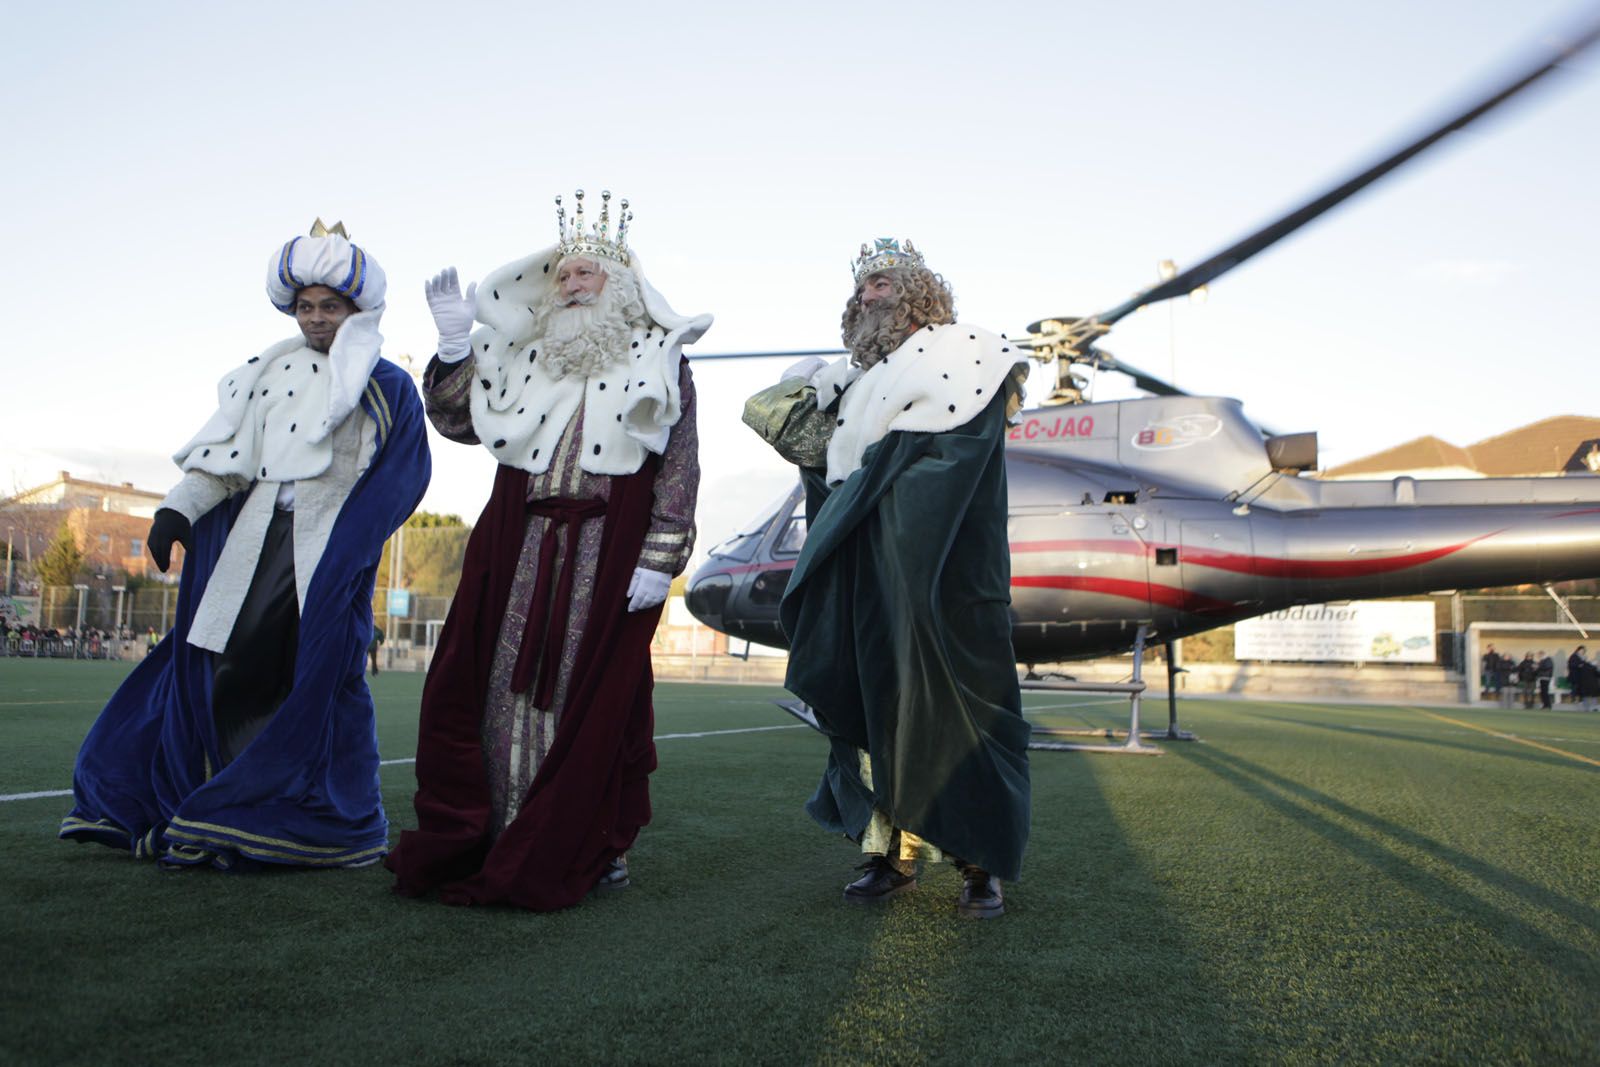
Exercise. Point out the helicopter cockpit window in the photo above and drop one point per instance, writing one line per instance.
(742, 545)
(793, 537)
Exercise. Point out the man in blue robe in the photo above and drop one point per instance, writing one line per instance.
(248, 734)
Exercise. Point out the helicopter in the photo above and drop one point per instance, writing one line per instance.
(1163, 516)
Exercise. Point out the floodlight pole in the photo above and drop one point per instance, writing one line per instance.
(10, 530)
(77, 645)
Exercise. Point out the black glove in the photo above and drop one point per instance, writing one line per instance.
(169, 526)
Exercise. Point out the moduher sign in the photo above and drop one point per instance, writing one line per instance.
(1362, 631)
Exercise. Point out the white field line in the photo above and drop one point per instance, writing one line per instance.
(1074, 704)
(412, 759)
(744, 730)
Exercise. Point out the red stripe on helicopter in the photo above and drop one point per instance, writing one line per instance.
(1165, 595)
(1273, 567)
(1265, 566)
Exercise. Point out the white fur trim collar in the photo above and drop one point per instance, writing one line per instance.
(940, 378)
(519, 411)
(276, 413)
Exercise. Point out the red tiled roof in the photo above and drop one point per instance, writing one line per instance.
(1542, 447)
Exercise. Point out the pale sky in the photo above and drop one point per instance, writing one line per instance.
(1044, 157)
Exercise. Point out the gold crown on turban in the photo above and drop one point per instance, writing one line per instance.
(319, 230)
(885, 254)
(597, 240)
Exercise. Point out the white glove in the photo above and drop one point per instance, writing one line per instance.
(452, 314)
(647, 589)
(806, 369)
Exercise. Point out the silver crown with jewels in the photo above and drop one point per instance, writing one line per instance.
(597, 240)
(885, 254)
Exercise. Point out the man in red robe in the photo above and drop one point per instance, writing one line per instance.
(535, 742)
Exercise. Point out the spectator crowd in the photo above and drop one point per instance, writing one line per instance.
(27, 640)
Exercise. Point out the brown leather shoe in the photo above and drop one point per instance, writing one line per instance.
(615, 876)
(981, 897)
(881, 882)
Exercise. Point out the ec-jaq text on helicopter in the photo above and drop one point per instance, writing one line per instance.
(1155, 518)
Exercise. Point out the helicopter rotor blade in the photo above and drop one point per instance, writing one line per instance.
(1202, 273)
(1148, 382)
(696, 358)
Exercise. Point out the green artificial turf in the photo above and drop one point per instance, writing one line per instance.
(1308, 884)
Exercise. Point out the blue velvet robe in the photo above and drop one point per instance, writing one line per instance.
(305, 791)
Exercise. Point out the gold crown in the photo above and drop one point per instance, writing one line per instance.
(574, 241)
(885, 254)
(319, 230)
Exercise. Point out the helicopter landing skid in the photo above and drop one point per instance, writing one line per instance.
(1134, 688)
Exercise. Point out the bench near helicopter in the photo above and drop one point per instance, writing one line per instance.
(1155, 518)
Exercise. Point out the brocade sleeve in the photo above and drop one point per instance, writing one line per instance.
(445, 393)
(670, 540)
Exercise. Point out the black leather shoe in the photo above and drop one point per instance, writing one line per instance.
(615, 876)
(981, 897)
(881, 882)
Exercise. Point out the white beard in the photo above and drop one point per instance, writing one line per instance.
(581, 341)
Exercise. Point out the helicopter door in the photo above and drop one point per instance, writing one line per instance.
(1077, 569)
(1217, 568)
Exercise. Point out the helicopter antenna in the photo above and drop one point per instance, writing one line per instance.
(1071, 340)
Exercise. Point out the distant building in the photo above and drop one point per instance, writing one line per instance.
(108, 522)
(1563, 444)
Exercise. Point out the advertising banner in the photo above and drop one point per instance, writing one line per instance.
(1361, 631)
(19, 611)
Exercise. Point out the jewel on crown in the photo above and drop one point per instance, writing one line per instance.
(596, 241)
(885, 254)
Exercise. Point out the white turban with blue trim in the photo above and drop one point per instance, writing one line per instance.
(331, 261)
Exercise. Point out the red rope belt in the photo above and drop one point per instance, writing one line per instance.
(546, 629)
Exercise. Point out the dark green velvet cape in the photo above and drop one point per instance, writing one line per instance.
(898, 619)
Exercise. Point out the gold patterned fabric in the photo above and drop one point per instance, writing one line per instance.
(787, 418)
(883, 838)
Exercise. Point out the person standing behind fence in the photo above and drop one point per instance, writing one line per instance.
(1527, 676)
(1504, 670)
(1580, 676)
(1546, 672)
(1490, 664)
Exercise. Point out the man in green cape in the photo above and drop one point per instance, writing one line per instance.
(898, 610)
